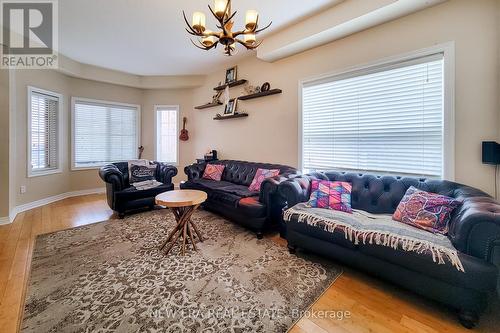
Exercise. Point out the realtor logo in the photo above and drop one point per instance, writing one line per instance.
(29, 34)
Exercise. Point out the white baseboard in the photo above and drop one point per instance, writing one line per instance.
(34, 204)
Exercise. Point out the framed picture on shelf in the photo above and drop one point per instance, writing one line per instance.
(230, 108)
(231, 74)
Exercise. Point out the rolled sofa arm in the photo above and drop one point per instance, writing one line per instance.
(475, 227)
(165, 172)
(195, 171)
(112, 175)
(270, 186)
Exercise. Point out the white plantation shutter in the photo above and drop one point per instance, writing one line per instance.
(387, 120)
(44, 114)
(104, 133)
(167, 131)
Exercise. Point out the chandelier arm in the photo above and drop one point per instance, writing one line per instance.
(267, 26)
(249, 47)
(189, 25)
(229, 18)
(205, 48)
(228, 5)
(191, 33)
(241, 32)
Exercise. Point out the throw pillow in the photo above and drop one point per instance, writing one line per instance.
(141, 170)
(213, 171)
(332, 195)
(259, 177)
(424, 210)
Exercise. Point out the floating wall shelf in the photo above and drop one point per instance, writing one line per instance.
(208, 105)
(261, 94)
(236, 115)
(232, 84)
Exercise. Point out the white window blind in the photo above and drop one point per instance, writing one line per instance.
(167, 131)
(44, 119)
(103, 133)
(388, 120)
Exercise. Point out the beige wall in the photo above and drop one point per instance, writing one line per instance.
(4, 143)
(49, 185)
(269, 134)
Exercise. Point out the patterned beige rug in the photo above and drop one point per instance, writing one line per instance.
(110, 276)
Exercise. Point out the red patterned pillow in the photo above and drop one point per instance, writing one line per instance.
(213, 171)
(259, 177)
(424, 210)
(331, 195)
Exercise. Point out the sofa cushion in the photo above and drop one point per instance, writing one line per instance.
(483, 278)
(252, 207)
(425, 210)
(331, 195)
(131, 193)
(213, 171)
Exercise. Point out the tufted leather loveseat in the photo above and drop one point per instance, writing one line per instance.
(123, 197)
(474, 231)
(231, 197)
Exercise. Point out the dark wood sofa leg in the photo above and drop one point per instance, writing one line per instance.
(260, 235)
(468, 319)
(121, 215)
(291, 248)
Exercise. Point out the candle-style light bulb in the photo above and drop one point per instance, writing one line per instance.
(220, 7)
(199, 21)
(208, 40)
(249, 39)
(251, 19)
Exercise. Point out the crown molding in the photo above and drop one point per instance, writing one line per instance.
(339, 21)
(79, 70)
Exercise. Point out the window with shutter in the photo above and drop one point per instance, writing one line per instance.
(103, 132)
(43, 132)
(167, 131)
(387, 119)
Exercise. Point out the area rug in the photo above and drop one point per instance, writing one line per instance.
(111, 277)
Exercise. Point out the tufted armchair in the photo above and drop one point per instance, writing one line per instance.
(123, 197)
(474, 231)
(232, 198)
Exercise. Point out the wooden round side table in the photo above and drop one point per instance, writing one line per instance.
(183, 204)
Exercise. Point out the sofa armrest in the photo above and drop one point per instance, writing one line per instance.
(475, 227)
(298, 189)
(270, 186)
(195, 171)
(165, 172)
(112, 175)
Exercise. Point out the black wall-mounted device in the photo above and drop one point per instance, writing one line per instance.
(491, 152)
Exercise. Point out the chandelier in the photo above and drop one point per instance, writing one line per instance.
(228, 38)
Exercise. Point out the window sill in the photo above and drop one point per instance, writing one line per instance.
(32, 174)
(86, 168)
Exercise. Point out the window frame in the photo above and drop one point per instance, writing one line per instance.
(74, 100)
(448, 51)
(157, 108)
(46, 171)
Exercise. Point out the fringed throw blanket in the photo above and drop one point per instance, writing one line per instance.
(379, 229)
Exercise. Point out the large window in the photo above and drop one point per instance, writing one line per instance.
(104, 132)
(167, 131)
(387, 119)
(43, 132)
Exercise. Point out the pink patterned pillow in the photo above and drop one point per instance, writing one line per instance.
(331, 195)
(424, 210)
(259, 177)
(213, 172)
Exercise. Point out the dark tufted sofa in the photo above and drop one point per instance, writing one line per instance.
(231, 197)
(474, 231)
(123, 197)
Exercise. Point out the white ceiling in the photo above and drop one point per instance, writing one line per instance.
(147, 37)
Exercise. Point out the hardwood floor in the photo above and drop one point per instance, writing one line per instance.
(374, 306)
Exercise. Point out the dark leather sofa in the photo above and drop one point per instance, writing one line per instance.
(231, 197)
(474, 232)
(122, 197)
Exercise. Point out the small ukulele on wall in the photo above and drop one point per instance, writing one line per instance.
(184, 132)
